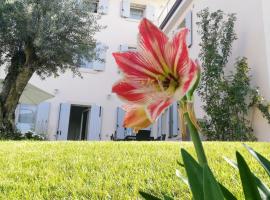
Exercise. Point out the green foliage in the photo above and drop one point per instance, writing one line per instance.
(248, 182)
(211, 189)
(44, 38)
(57, 32)
(261, 104)
(31, 136)
(8, 133)
(226, 98)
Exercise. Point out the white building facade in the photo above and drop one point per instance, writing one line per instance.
(253, 32)
(84, 108)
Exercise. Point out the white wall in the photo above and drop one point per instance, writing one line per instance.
(253, 30)
(95, 87)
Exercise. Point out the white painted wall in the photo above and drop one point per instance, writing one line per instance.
(95, 87)
(253, 31)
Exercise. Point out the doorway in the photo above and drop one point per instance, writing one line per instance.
(77, 129)
(79, 122)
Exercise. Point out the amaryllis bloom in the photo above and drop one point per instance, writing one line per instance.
(159, 73)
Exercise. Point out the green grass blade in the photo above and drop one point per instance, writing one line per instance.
(211, 187)
(261, 159)
(180, 164)
(179, 175)
(148, 196)
(248, 181)
(166, 197)
(195, 175)
(231, 162)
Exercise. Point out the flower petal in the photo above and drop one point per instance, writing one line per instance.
(181, 56)
(133, 64)
(137, 92)
(136, 118)
(155, 109)
(153, 41)
(189, 77)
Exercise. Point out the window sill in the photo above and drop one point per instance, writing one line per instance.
(89, 71)
(133, 20)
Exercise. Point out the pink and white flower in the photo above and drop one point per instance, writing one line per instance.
(159, 73)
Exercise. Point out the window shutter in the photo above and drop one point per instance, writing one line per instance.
(42, 118)
(129, 131)
(150, 12)
(101, 51)
(63, 123)
(123, 47)
(125, 9)
(188, 23)
(94, 123)
(120, 130)
(175, 120)
(166, 122)
(103, 6)
(159, 126)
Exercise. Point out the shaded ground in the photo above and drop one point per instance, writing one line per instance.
(108, 170)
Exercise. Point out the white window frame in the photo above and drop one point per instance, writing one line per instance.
(137, 7)
(95, 65)
(97, 5)
(188, 23)
(27, 107)
(127, 47)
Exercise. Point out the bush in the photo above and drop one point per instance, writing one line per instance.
(227, 98)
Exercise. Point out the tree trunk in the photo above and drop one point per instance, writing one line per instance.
(15, 89)
(19, 73)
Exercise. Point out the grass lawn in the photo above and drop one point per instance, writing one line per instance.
(108, 170)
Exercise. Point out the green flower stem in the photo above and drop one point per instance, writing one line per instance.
(196, 141)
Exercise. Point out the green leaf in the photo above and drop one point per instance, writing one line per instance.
(248, 181)
(261, 159)
(148, 196)
(263, 189)
(226, 193)
(195, 178)
(211, 187)
(194, 174)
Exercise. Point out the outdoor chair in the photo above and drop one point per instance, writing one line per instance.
(142, 135)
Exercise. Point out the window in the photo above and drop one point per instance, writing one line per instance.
(125, 47)
(136, 11)
(94, 6)
(132, 48)
(99, 63)
(187, 22)
(86, 64)
(27, 114)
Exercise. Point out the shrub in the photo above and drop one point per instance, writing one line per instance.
(227, 98)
